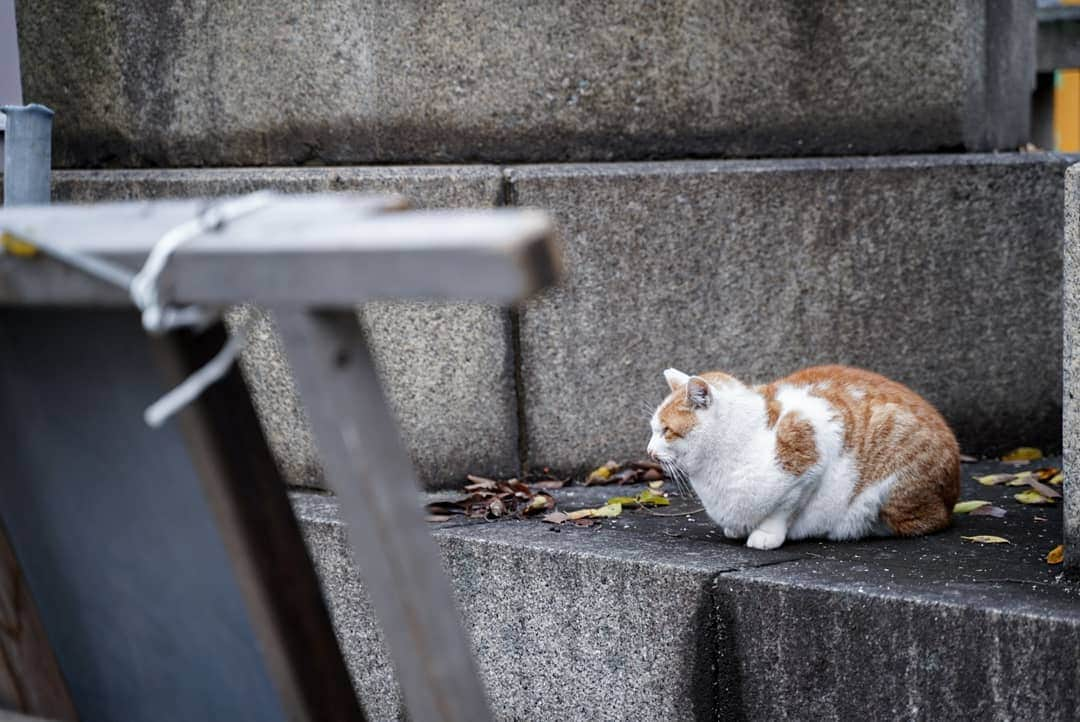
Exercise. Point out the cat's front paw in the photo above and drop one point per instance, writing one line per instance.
(732, 532)
(761, 539)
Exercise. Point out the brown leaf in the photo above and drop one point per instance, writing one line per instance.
(647, 466)
(990, 510)
(481, 483)
(625, 476)
(1056, 555)
(1046, 473)
(496, 507)
(584, 522)
(652, 475)
(550, 483)
(555, 517)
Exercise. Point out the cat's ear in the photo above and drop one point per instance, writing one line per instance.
(675, 378)
(698, 393)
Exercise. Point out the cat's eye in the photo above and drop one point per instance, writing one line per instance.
(669, 434)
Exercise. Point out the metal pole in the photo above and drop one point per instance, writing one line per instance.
(27, 154)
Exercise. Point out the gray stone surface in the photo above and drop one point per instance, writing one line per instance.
(261, 82)
(1071, 369)
(448, 367)
(661, 618)
(939, 271)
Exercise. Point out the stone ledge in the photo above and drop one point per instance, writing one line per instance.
(654, 618)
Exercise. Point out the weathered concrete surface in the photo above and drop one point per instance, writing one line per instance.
(263, 83)
(1071, 369)
(661, 618)
(938, 271)
(448, 368)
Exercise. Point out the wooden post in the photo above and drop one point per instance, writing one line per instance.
(369, 470)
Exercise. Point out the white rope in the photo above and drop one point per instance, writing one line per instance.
(158, 317)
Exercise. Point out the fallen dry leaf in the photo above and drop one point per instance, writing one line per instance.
(654, 485)
(606, 511)
(550, 483)
(1032, 497)
(994, 479)
(1046, 473)
(986, 539)
(1056, 479)
(650, 497)
(624, 500)
(540, 502)
(438, 517)
(1023, 453)
(990, 510)
(652, 476)
(480, 483)
(963, 507)
(1048, 491)
(555, 517)
(602, 474)
(1056, 555)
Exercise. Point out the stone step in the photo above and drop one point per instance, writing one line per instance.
(266, 83)
(933, 269)
(661, 618)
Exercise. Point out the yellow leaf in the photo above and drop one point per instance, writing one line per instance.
(1056, 555)
(994, 479)
(1032, 497)
(652, 498)
(15, 247)
(964, 507)
(1024, 453)
(608, 510)
(624, 500)
(986, 539)
(656, 484)
(1056, 479)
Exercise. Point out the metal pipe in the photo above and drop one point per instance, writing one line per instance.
(27, 154)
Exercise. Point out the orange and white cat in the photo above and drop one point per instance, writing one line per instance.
(829, 451)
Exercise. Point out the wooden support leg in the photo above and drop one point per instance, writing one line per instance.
(30, 679)
(251, 506)
(369, 469)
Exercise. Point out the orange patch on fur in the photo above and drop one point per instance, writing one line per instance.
(795, 445)
(891, 430)
(676, 416)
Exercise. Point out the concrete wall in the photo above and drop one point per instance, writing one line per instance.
(448, 369)
(1071, 370)
(262, 82)
(940, 271)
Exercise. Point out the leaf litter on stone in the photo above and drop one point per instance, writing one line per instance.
(989, 510)
(986, 539)
(1023, 453)
(1031, 496)
(1056, 555)
(963, 507)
